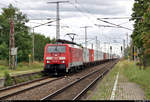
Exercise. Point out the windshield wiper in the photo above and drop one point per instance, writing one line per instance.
(56, 49)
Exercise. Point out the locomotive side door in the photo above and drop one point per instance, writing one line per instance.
(70, 53)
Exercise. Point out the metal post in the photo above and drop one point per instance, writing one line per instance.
(121, 51)
(96, 47)
(57, 23)
(85, 27)
(92, 45)
(134, 54)
(105, 47)
(124, 47)
(127, 48)
(99, 34)
(58, 18)
(86, 37)
(127, 40)
(96, 42)
(33, 37)
(99, 46)
(11, 45)
(110, 52)
(33, 46)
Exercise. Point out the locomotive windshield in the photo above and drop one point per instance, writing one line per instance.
(56, 49)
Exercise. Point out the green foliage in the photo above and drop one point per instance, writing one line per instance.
(4, 51)
(40, 42)
(8, 79)
(35, 77)
(141, 77)
(23, 38)
(141, 34)
(104, 88)
(22, 68)
(20, 80)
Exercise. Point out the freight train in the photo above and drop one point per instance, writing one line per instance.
(62, 58)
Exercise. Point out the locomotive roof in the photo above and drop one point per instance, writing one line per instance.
(66, 42)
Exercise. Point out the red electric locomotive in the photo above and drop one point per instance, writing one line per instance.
(60, 58)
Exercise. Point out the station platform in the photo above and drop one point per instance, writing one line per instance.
(126, 90)
(116, 86)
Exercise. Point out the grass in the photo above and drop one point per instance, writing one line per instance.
(22, 68)
(11, 81)
(131, 72)
(24, 79)
(104, 89)
(141, 77)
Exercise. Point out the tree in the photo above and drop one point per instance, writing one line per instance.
(141, 32)
(22, 37)
(40, 43)
(146, 34)
(3, 51)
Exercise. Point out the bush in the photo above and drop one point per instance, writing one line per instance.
(8, 79)
(3, 68)
(20, 80)
(4, 62)
(138, 64)
(141, 77)
(20, 65)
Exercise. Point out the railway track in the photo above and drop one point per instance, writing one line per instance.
(25, 75)
(15, 77)
(77, 88)
(41, 88)
(20, 88)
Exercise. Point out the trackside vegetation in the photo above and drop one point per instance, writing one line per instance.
(23, 41)
(23, 36)
(22, 68)
(141, 34)
(139, 76)
(104, 88)
(131, 71)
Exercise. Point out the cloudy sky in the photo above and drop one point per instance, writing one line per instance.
(79, 13)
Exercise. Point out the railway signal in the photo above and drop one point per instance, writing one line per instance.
(121, 49)
(110, 51)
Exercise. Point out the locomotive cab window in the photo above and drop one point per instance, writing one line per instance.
(56, 49)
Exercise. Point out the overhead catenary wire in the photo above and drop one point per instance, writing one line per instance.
(107, 17)
(114, 24)
(112, 17)
(43, 24)
(86, 10)
(120, 17)
(82, 13)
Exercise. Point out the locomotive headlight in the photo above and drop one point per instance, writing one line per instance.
(49, 58)
(62, 61)
(62, 58)
(48, 61)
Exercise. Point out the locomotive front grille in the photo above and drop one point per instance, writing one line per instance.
(51, 68)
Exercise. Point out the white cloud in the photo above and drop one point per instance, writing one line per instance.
(79, 13)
